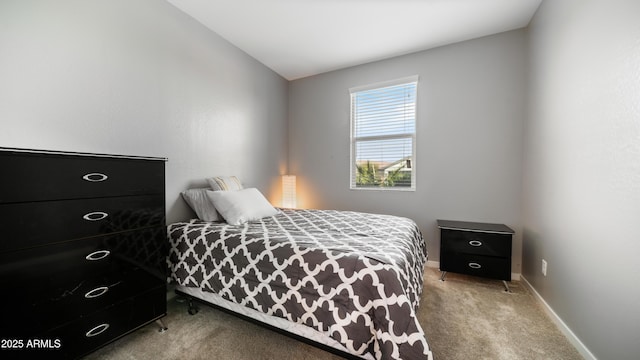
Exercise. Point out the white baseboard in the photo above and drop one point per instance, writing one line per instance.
(433, 264)
(573, 339)
(436, 265)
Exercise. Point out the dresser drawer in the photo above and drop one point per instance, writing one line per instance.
(37, 177)
(34, 271)
(473, 242)
(84, 335)
(53, 307)
(49, 283)
(63, 265)
(38, 223)
(485, 266)
(101, 328)
(95, 294)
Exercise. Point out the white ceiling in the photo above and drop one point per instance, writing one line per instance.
(299, 38)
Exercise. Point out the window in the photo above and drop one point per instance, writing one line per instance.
(383, 135)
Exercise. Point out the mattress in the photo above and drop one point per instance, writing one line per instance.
(352, 279)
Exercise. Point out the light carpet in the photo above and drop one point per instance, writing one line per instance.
(463, 317)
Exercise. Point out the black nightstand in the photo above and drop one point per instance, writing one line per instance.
(479, 249)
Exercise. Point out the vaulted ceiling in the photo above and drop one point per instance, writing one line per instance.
(300, 38)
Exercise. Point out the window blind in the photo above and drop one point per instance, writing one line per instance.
(383, 134)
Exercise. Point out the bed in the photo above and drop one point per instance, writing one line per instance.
(349, 281)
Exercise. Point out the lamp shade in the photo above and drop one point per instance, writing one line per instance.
(289, 191)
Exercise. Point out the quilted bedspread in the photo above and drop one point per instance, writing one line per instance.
(355, 277)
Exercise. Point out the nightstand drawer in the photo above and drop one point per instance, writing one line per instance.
(485, 266)
(473, 242)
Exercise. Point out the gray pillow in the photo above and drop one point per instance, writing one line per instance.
(199, 202)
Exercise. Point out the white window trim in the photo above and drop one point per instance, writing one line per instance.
(404, 80)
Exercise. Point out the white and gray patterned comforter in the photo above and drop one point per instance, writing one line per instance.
(356, 277)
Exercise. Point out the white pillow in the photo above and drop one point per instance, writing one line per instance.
(225, 183)
(199, 202)
(238, 207)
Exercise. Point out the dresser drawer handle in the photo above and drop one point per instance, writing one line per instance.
(95, 177)
(95, 216)
(99, 291)
(475, 265)
(475, 243)
(97, 330)
(98, 255)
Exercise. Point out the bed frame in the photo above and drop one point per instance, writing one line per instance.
(193, 309)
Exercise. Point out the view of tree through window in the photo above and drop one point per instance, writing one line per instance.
(383, 127)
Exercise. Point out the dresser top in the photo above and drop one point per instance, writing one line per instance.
(55, 152)
(474, 226)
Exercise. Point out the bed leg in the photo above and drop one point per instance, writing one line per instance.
(444, 273)
(163, 327)
(506, 286)
(193, 308)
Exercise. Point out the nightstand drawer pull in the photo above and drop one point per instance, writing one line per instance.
(97, 330)
(475, 243)
(99, 291)
(98, 255)
(95, 216)
(95, 177)
(475, 265)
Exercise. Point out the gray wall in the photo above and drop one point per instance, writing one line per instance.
(471, 98)
(582, 170)
(140, 78)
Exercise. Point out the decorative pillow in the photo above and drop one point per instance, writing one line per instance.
(238, 207)
(199, 202)
(225, 183)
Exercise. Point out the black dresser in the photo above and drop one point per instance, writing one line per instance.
(82, 251)
(480, 249)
